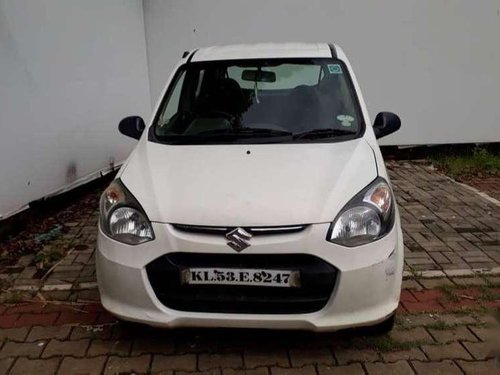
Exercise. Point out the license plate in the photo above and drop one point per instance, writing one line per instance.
(240, 276)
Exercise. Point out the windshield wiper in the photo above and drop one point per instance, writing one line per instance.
(245, 132)
(322, 133)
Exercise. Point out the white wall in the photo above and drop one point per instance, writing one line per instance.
(434, 62)
(69, 71)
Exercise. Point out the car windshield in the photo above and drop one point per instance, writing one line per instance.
(259, 101)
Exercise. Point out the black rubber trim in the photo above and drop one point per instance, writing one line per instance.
(332, 49)
(191, 57)
(185, 54)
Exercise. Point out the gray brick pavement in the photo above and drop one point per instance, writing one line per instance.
(327, 353)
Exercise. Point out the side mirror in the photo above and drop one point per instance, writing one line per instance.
(132, 126)
(386, 123)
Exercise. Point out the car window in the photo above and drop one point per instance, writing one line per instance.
(172, 105)
(252, 101)
(288, 76)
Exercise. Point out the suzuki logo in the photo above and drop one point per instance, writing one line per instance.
(238, 239)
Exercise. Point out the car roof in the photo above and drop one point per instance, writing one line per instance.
(261, 51)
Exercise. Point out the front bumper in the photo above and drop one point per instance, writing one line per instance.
(366, 290)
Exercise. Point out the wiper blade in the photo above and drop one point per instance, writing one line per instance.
(245, 132)
(322, 132)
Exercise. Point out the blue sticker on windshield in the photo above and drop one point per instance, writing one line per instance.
(334, 68)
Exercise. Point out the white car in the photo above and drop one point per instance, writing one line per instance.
(256, 197)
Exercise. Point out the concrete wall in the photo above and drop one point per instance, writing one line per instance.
(69, 71)
(434, 62)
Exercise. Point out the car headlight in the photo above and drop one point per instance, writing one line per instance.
(122, 218)
(369, 216)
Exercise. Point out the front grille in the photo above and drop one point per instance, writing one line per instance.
(317, 282)
(255, 231)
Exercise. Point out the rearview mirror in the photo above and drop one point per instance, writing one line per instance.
(258, 76)
(132, 126)
(386, 123)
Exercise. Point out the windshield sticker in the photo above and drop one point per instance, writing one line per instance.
(345, 120)
(334, 68)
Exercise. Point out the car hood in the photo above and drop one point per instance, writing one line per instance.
(248, 185)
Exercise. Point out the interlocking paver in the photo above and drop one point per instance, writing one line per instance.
(5, 365)
(182, 362)
(417, 334)
(453, 334)
(208, 372)
(91, 332)
(256, 358)
(17, 349)
(484, 333)
(412, 353)
(306, 370)
(437, 214)
(36, 319)
(352, 369)
(207, 361)
(490, 367)
(396, 368)
(13, 334)
(66, 348)
(304, 356)
(435, 283)
(25, 366)
(446, 367)
(46, 333)
(113, 347)
(480, 350)
(69, 317)
(411, 284)
(345, 356)
(7, 321)
(80, 366)
(446, 351)
(125, 365)
(160, 345)
(255, 371)
(454, 319)
(468, 281)
(35, 308)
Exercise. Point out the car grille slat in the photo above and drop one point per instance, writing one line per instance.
(256, 231)
(318, 279)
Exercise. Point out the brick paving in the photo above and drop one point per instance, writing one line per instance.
(435, 342)
(446, 226)
(56, 324)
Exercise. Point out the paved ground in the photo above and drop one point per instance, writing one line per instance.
(446, 225)
(55, 324)
(442, 330)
